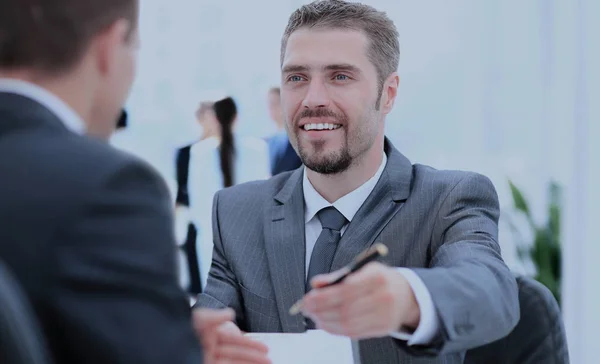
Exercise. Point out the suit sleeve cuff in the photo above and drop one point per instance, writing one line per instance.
(429, 321)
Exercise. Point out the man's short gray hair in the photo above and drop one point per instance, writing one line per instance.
(384, 47)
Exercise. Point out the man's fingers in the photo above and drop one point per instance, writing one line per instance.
(356, 328)
(207, 324)
(347, 311)
(371, 275)
(230, 327)
(348, 318)
(322, 280)
(240, 355)
(224, 341)
(229, 339)
(205, 317)
(208, 317)
(330, 298)
(241, 349)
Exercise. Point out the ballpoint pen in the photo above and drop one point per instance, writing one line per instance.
(371, 254)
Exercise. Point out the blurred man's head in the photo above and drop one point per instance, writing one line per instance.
(82, 50)
(274, 98)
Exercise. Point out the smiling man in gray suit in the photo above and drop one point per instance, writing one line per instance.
(442, 289)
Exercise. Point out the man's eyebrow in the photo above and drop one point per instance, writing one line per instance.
(330, 67)
(295, 68)
(342, 67)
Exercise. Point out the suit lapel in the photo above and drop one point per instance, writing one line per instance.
(285, 247)
(380, 207)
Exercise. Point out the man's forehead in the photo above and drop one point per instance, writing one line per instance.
(323, 47)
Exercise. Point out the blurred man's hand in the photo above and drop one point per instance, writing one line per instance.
(223, 342)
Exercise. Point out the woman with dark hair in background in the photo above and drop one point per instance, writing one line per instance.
(221, 160)
(226, 113)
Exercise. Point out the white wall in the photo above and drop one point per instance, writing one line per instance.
(581, 284)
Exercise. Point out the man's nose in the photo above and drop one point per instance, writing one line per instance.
(317, 96)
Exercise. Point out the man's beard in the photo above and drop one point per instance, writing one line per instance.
(332, 163)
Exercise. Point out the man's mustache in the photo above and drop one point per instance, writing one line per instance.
(318, 113)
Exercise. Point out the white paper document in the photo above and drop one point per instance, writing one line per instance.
(311, 347)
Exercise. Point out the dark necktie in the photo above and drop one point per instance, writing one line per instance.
(321, 258)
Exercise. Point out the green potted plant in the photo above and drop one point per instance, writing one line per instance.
(545, 249)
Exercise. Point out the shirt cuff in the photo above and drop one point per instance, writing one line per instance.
(429, 321)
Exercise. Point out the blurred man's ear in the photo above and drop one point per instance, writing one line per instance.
(106, 44)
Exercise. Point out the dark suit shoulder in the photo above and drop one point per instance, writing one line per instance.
(70, 164)
(97, 158)
(59, 173)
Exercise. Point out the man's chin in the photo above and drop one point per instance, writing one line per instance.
(326, 166)
(329, 170)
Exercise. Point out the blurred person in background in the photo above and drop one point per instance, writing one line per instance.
(283, 156)
(221, 160)
(187, 230)
(86, 229)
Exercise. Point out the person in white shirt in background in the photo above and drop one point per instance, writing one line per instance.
(185, 229)
(222, 159)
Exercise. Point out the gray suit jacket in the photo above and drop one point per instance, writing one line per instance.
(443, 224)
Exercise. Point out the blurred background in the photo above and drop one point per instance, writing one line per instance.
(510, 89)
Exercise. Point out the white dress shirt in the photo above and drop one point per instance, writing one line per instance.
(348, 206)
(52, 102)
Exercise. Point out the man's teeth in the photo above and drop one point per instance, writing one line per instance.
(321, 126)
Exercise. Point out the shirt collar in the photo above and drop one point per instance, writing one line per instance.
(45, 98)
(348, 205)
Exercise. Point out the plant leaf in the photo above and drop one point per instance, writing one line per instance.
(523, 253)
(554, 212)
(546, 252)
(519, 201)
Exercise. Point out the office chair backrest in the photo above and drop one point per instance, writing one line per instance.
(539, 336)
(21, 340)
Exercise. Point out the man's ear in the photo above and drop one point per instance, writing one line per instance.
(108, 44)
(390, 90)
